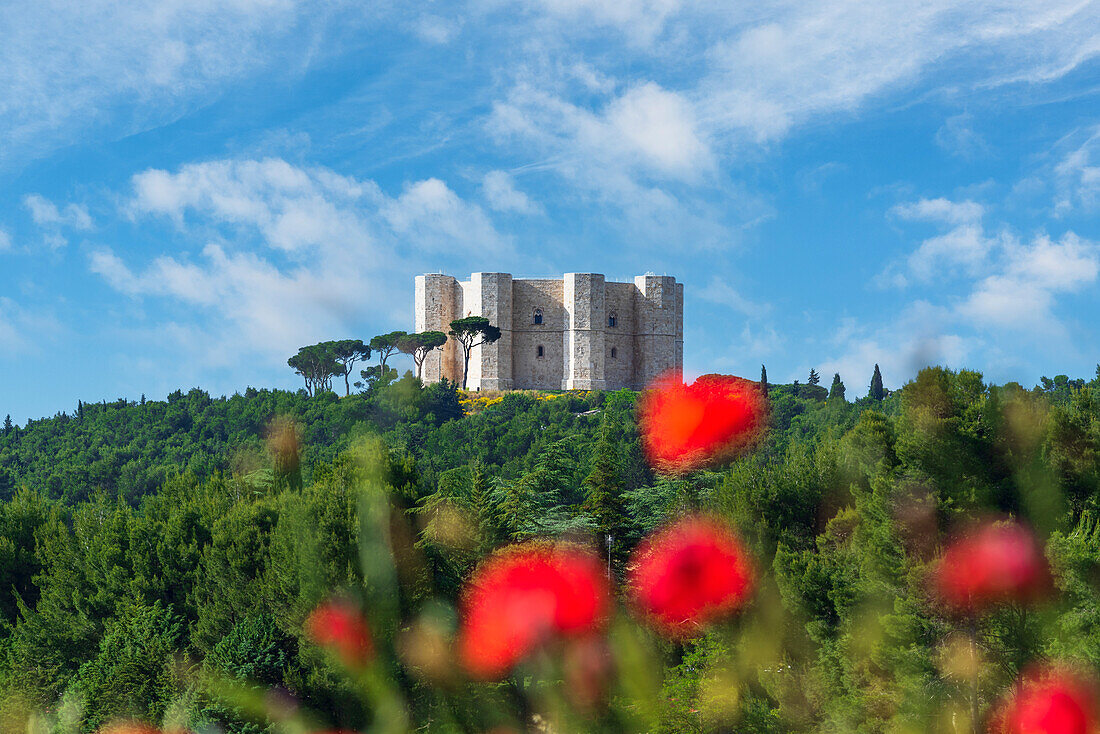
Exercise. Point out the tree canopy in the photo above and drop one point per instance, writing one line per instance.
(420, 344)
(471, 332)
(385, 345)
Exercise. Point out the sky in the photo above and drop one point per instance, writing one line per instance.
(191, 190)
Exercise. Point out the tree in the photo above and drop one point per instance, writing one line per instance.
(385, 345)
(317, 365)
(876, 392)
(7, 424)
(419, 345)
(470, 332)
(604, 488)
(346, 353)
(837, 389)
(133, 674)
(763, 381)
(814, 378)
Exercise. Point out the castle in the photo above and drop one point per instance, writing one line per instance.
(578, 332)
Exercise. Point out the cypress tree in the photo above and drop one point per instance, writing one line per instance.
(876, 392)
(604, 487)
(763, 381)
(837, 389)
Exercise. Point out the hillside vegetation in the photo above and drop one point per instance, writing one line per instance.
(146, 547)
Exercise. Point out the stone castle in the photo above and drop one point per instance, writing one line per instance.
(578, 332)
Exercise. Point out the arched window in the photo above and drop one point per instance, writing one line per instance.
(538, 320)
(614, 353)
(612, 319)
(540, 350)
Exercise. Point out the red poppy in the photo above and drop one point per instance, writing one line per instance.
(993, 564)
(686, 427)
(524, 596)
(340, 627)
(1047, 701)
(690, 574)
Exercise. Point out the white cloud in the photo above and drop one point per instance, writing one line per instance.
(5, 241)
(957, 137)
(639, 20)
(23, 330)
(940, 210)
(646, 130)
(313, 253)
(1078, 176)
(434, 217)
(921, 334)
(964, 246)
(119, 67)
(502, 195)
(1022, 295)
(45, 213)
(811, 59)
(722, 293)
(637, 159)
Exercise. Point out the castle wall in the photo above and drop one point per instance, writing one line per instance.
(576, 338)
(529, 371)
(619, 369)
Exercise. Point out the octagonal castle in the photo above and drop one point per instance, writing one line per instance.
(578, 332)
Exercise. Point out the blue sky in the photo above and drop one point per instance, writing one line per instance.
(191, 190)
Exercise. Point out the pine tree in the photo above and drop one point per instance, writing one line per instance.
(814, 378)
(837, 389)
(763, 381)
(7, 424)
(604, 487)
(876, 392)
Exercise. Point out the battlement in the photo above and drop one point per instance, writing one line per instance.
(577, 332)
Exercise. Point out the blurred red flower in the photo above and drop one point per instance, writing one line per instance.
(129, 727)
(993, 564)
(689, 574)
(523, 596)
(1047, 701)
(685, 427)
(339, 626)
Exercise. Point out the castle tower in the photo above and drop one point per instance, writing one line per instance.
(489, 295)
(435, 310)
(659, 327)
(584, 335)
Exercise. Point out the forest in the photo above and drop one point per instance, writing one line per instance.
(164, 561)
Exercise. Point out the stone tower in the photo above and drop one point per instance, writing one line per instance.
(579, 332)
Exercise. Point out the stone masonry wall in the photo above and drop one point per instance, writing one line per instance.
(530, 371)
(575, 335)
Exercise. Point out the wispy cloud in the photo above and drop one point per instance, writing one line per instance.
(720, 292)
(964, 246)
(45, 213)
(117, 67)
(300, 253)
(958, 137)
(502, 195)
(1077, 176)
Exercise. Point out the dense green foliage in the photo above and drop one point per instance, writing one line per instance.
(149, 551)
